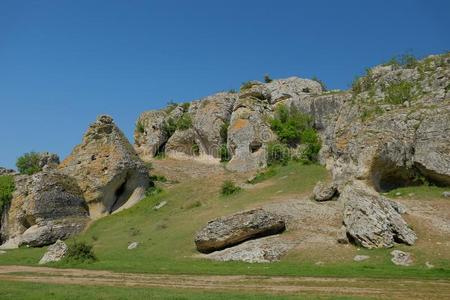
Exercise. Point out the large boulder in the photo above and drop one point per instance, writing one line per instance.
(231, 230)
(107, 169)
(45, 207)
(371, 220)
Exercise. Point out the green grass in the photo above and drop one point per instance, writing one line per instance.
(166, 236)
(423, 192)
(37, 291)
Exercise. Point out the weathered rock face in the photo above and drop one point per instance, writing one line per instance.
(371, 220)
(209, 116)
(182, 142)
(150, 135)
(107, 169)
(249, 133)
(54, 253)
(232, 230)
(48, 161)
(46, 206)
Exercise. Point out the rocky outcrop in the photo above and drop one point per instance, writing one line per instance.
(107, 169)
(371, 220)
(182, 142)
(232, 230)
(48, 161)
(210, 115)
(54, 253)
(151, 132)
(45, 207)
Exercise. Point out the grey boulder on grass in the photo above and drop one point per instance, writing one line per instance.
(231, 230)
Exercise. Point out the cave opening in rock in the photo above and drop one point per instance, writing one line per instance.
(255, 146)
(119, 198)
(386, 175)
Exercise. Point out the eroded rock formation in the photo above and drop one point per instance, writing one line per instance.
(45, 207)
(107, 169)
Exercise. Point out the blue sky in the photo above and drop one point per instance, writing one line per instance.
(63, 62)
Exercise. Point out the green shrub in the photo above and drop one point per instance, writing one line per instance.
(153, 191)
(232, 91)
(6, 190)
(277, 153)
(140, 127)
(80, 252)
(224, 131)
(224, 153)
(267, 78)
(322, 84)
(184, 122)
(311, 139)
(289, 124)
(159, 178)
(186, 106)
(229, 188)
(399, 92)
(29, 163)
(169, 127)
(261, 176)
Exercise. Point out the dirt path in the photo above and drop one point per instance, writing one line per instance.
(376, 288)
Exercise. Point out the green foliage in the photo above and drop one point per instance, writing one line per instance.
(153, 191)
(399, 92)
(140, 127)
(29, 163)
(368, 113)
(159, 178)
(195, 149)
(224, 153)
(169, 127)
(184, 122)
(6, 190)
(80, 252)
(149, 165)
(406, 60)
(322, 84)
(278, 153)
(232, 91)
(289, 124)
(229, 188)
(292, 128)
(267, 78)
(186, 106)
(263, 175)
(224, 131)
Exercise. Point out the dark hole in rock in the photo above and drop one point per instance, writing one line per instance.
(386, 176)
(255, 146)
(118, 196)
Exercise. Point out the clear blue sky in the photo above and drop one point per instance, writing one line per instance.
(64, 62)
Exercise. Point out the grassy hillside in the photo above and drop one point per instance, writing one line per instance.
(166, 235)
